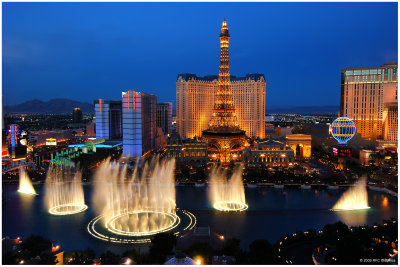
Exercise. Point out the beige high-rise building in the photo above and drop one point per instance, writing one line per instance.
(195, 103)
(369, 98)
(390, 123)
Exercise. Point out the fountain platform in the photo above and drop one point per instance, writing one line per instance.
(180, 222)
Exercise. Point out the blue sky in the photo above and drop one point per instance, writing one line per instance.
(86, 51)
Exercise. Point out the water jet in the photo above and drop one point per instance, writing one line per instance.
(355, 198)
(64, 191)
(227, 194)
(134, 207)
(25, 183)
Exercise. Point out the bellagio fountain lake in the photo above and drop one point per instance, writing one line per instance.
(123, 207)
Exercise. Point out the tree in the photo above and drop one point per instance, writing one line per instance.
(232, 248)
(109, 258)
(133, 255)
(10, 258)
(261, 252)
(161, 245)
(203, 249)
(35, 245)
(79, 256)
(333, 231)
(349, 250)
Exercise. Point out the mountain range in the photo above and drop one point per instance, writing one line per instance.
(59, 106)
(53, 106)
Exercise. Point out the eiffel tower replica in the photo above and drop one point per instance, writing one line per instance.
(225, 139)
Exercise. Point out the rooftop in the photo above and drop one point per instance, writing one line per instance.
(384, 66)
(190, 76)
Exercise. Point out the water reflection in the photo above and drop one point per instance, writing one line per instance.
(26, 202)
(353, 217)
(385, 202)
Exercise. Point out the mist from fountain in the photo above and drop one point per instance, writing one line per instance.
(137, 204)
(227, 194)
(25, 183)
(64, 191)
(355, 198)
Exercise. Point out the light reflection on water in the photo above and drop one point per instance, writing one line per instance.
(26, 204)
(385, 202)
(353, 217)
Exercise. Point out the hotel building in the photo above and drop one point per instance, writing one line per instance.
(77, 115)
(369, 98)
(195, 103)
(108, 119)
(139, 123)
(164, 117)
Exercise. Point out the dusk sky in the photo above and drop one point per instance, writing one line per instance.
(86, 51)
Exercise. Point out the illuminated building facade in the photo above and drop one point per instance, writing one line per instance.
(390, 123)
(139, 123)
(77, 115)
(300, 144)
(224, 137)
(4, 144)
(164, 117)
(186, 150)
(194, 95)
(269, 153)
(369, 98)
(13, 135)
(108, 119)
(39, 138)
(15, 149)
(365, 156)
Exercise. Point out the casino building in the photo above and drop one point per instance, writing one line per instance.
(139, 121)
(108, 119)
(196, 97)
(369, 96)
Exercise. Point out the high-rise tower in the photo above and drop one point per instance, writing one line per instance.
(224, 136)
(369, 97)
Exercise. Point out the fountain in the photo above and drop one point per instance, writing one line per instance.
(25, 184)
(355, 198)
(227, 194)
(134, 207)
(64, 191)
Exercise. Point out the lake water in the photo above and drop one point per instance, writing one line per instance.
(272, 213)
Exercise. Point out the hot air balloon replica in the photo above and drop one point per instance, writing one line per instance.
(342, 129)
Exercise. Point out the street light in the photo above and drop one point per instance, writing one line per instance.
(198, 260)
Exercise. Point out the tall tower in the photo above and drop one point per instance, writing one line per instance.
(224, 137)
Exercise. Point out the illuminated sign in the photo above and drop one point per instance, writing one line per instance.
(51, 142)
(342, 152)
(342, 129)
(13, 135)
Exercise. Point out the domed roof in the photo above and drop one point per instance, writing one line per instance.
(180, 259)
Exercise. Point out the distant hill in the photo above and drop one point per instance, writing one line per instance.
(58, 106)
(305, 110)
(53, 106)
